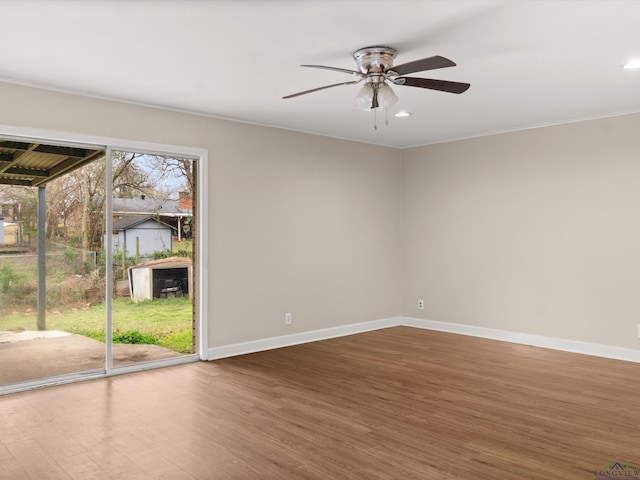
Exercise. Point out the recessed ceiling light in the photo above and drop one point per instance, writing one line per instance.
(403, 114)
(632, 64)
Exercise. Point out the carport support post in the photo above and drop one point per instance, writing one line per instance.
(42, 281)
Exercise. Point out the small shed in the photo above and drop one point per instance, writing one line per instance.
(168, 277)
(11, 232)
(152, 234)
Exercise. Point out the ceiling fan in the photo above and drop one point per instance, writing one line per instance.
(375, 68)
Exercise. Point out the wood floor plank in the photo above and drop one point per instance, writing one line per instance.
(11, 470)
(394, 403)
(36, 461)
(82, 467)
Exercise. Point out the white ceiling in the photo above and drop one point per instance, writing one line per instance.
(529, 63)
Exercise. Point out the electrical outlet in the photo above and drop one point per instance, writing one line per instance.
(288, 319)
(420, 304)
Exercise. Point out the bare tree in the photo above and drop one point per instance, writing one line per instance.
(75, 202)
(180, 169)
(129, 179)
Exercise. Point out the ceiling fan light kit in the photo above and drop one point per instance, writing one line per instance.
(385, 96)
(364, 98)
(375, 67)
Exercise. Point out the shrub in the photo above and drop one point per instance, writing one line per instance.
(8, 277)
(161, 254)
(73, 261)
(168, 253)
(134, 337)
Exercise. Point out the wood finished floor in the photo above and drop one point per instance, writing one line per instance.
(398, 403)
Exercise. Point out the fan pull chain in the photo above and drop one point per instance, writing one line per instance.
(375, 117)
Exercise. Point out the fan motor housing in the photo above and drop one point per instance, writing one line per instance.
(374, 61)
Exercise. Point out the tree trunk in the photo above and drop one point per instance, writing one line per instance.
(86, 212)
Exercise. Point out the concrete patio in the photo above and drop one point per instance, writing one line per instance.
(29, 355)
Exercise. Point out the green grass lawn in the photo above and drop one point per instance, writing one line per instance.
(166, 322)
(183, 246)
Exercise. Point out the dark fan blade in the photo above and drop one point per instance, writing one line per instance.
(322, 88)
(430, 63)
(343, 70)
(442, 85)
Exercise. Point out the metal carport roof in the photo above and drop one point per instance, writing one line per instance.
(32, 164)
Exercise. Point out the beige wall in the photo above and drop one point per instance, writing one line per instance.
(535, 231)
(297, 223)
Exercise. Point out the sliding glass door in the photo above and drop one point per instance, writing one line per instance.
(98, 261)
(51, 276)
(152, 250)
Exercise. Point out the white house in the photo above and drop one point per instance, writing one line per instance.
(141, 235)
(171, 212)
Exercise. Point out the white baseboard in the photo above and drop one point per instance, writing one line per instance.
(585, 348)
(215, 353)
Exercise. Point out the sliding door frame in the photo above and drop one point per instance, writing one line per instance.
(109, 145)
